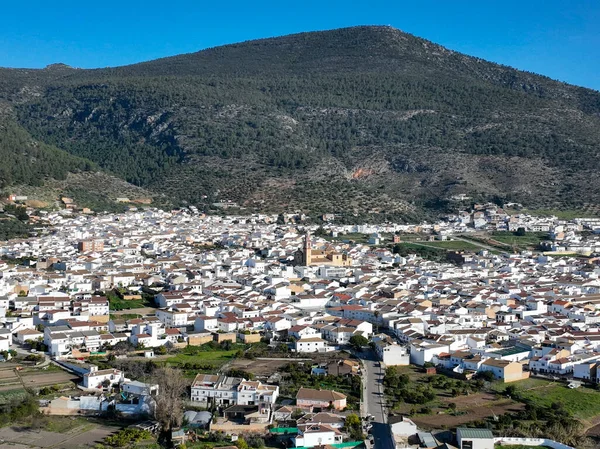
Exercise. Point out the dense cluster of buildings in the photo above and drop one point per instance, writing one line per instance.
(252, 279)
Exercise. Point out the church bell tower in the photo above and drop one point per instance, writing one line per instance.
(307, 249)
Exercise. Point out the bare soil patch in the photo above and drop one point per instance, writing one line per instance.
(469, 408)
(260, 367)
(40, 379)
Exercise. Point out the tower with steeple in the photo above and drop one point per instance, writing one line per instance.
(327, 256)
(307, 250)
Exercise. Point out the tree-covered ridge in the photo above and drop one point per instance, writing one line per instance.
(24, 160)
(392, 121)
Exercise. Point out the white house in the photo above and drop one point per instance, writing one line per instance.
(5, 341)
(402, 426)
(97, 306)
(423, 352)
(139, 388)
(206, 324)
(26, 335)
(392, 354)
(311, 435)
(219, 390)
(254, 392)
(172, 318)
(96, 379)
(311, 344)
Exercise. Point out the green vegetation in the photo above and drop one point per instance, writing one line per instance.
(355, 237)
(358, 341)
(408, 390)
(353, 426)
(18, 409)
(455, 245)
(19, 212)
(11, 228)
(125, 316)
(563, 214)
(25, 161)
(63, 424)
(128, 437)
(582, 403)
(205, 358)
(307, 122)
(116, 301)
(298, 376)
(551, 410)
(218, 439)
(434, 254)
(15, 396)
(548, 409)
(96, 201)
(526, 240)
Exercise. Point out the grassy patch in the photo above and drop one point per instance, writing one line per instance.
(125, 316)
(215, 356)
(583, 402)
(421, 250)
(193, 361)
(47, 369)
(10, 395)
(529, 240)
(354, 236)
(455, 245)
(63, 424)
(117, 303)
(522, 385)
(563, 214)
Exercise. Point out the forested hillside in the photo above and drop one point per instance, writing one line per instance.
(26, 161)
(358, 120)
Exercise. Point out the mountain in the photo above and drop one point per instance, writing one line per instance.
(353, 121)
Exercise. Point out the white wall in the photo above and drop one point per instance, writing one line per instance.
(531, 442)
(395, 355)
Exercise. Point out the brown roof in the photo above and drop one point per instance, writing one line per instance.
(29, 332)
(319, 395)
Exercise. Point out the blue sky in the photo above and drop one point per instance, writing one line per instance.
(557, 38)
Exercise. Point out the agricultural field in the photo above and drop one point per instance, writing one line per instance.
(352, 236)
(269, 364)
(13, 382)
(473, 407)
(588, 211)
(528, 241)
(583, 402)
(439, 402)
(454, 245)
(447, 410)
(200, 359)
(55, 432)
(11, 379)
(260, 368)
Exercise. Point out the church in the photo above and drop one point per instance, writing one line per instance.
(308, 256)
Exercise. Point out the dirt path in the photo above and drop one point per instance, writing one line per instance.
(476, 243)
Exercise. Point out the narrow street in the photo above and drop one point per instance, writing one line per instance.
(374, 400)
